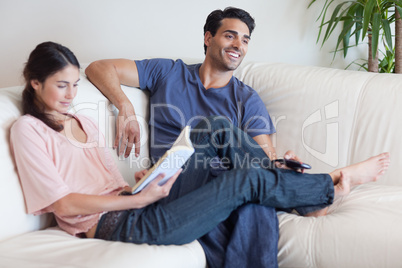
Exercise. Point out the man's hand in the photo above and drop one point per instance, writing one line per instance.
(292, 156)
(127, 132)
(289, 155)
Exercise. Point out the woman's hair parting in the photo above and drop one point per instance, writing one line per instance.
(45, 60)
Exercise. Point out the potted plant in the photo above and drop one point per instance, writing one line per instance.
(361, 19)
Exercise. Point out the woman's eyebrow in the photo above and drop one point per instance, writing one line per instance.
(62, 81)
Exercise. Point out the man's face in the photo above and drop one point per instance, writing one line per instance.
(229, 45)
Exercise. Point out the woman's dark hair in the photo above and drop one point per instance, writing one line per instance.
(45, 60)
(214, 20)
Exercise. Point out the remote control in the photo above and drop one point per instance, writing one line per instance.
(293, 164)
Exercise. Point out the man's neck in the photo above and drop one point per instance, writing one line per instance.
(211, 77)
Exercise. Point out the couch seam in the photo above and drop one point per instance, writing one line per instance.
(363, 90)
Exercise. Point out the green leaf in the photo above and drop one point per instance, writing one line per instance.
(399, 10)
(359, 24)
(375, 33)
(345, 35)
(387, 32)
(368, 10)
(323, 18)
(312, 2)
(333, 22)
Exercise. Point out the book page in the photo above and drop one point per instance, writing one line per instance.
(168, 166)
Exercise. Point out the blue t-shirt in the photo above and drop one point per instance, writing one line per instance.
(178, 98)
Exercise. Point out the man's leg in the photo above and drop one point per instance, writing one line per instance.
(248, 238)
(215, 139)
(200, 211)
(218, 137)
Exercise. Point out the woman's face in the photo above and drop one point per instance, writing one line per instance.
(58, 90)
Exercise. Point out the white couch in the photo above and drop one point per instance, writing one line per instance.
(330, 117)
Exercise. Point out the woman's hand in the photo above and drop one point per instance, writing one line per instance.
(138, 175)
(153, 191)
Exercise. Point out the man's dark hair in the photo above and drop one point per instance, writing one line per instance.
(214, 20)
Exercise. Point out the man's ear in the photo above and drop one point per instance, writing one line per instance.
(207, 38)
(35, 84)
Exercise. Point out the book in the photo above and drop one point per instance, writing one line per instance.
(170, 162)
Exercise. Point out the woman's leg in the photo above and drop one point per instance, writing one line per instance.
(195, 214)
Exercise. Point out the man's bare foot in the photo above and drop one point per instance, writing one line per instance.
(343, 186)
(318, 213)
(340, 189)
(367, 171)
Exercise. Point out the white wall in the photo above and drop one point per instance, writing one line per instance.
(93, 29)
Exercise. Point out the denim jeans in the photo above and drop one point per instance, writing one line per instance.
(248, 238)
(199, 202)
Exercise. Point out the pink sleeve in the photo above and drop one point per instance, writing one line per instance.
(41, 182)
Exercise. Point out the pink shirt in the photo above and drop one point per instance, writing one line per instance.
(50, 166)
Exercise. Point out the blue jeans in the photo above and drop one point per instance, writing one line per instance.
(199, 202)
(248, 238)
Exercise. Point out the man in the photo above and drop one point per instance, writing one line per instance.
(226, 43)
(205, 91)
(183, 94)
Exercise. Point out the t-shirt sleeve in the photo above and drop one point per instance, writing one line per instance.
(41, 182)
(256, 120)
(151, 71)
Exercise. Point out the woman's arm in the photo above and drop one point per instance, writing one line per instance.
(82, 204)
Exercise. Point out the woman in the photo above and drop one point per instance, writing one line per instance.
(63, 173)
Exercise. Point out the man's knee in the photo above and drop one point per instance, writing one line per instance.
(255, 209)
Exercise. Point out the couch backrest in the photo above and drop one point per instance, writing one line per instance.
(14, 219)
(330, 117)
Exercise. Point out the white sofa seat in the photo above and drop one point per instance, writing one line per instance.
(53, 247)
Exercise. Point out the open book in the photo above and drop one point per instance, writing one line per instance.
(170, 162)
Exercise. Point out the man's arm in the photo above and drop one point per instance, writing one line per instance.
(265, 142)
(107, 76)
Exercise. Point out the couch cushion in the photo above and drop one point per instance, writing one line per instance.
(55, 248)
(12, 210)
(361, 230)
